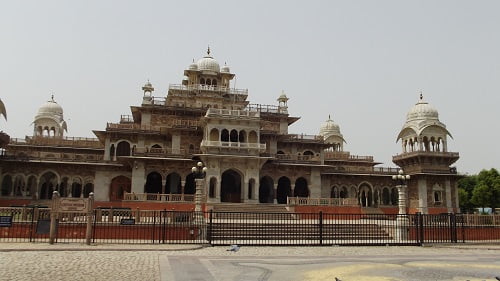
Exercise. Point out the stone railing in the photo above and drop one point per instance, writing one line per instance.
(295, 157)
(132, 126)
(55, 156)
(54, 141)
(198, 87)
(306, 201)
(158, 197)
(163, 152)
(341, 155)
(425, 153)
(217, 112)
(227, 144)
(265, 108)
(302, 137)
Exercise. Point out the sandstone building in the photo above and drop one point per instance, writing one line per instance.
(250, 154)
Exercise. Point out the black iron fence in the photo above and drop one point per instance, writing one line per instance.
(32, 224)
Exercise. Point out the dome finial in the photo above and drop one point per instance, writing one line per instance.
(208, 50)
(329, 117)
(52, 98)
(421, 96)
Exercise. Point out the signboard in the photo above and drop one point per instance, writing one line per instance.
(75, 205)
(43, 226)
(5, 221)
(127, 221)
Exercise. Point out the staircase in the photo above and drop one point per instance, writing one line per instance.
(251, 211)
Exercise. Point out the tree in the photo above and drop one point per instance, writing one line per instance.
(466, 186)
(486, 193)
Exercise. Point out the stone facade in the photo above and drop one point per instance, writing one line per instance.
(249, 154)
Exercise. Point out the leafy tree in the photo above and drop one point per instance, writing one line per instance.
(465, 188)
(486, 193)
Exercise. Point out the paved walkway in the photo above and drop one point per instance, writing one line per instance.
(37, 261)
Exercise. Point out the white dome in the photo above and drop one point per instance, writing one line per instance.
(422, 110)
(208, 63)
(193, 66)
(225, 69)
(329, 128)
(50, 108)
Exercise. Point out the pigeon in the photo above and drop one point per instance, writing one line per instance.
(234, 248)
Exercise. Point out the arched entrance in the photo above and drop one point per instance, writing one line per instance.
(118, 187)
(266, 190)
(173, 184)
(284, 190)
(48, 183)
(365, 196)
(190, 186)
(301, 189)
(230, 187)
(153, 183)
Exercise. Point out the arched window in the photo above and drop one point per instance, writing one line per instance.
(242, 136)
(6, 185)
(233, 137)
(214, 82)
(202, 81)
(301, 189)
(224, 136)
(386, 197)
(123, 149)
(344, 193)
(334, 192)
(214, 135)
(87, 189)
(252, 137)
(394, 196)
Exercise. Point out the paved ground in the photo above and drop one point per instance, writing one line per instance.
(27, 261)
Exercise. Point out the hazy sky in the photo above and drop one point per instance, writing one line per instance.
(363, 62)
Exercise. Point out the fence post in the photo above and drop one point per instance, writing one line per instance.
(209, 234)
(88, 233)
(53, 217)
(321, 227)
(420, 222)
(453, 228)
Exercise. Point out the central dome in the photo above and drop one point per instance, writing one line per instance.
(208, 63)
(422, 110)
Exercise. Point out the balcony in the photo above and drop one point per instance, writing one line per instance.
(178, 87)
(341, 155)
(157, 197)
(76, 142)
(265, 108)
(298, 158)
(301, 138)
(163, 152)
(426, 154)
(363, 170)
(56, 157)
(216, 112)
(234, 145)
(131, 127)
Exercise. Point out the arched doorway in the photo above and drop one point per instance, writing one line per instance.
(284, 190)
(119, 185)
(7, 185)
(48, 183)
(190, 186)
(365, 195)
(87, 189)
(123, 149)
(301, 189)
(153, 183)
(76, 187)
(266, 190)
(173, 184)
(230, 187)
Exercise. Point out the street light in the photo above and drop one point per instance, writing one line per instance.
(401, 220)
(199, 171)
(402, 183)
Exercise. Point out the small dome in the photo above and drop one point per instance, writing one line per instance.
(193, 66)
(422, 110)
(225, 69)
(208, 63)
(50, 108)
(329, 128)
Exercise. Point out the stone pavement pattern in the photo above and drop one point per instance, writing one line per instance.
(183, 262)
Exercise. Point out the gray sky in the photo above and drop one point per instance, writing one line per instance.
(363, 62)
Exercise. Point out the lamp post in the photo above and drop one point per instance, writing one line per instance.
(199, 171)
(402, 220)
